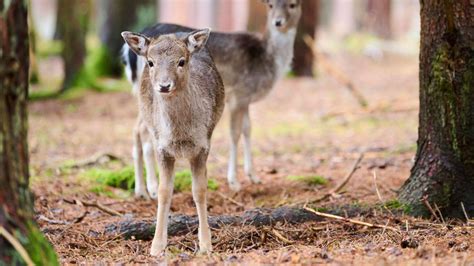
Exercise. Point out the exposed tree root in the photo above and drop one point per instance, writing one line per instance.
(182, 224)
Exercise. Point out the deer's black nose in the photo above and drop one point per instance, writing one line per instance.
(278, 23)
(165, 87)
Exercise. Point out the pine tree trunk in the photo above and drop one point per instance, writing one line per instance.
(303, 57)
(73, 16)
(379, 17)
(114, 17)
(443, 172)
(257, 16)
(16, 208)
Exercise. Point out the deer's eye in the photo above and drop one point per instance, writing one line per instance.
(292, 6)
(181, 62)
(150, 64)
(271, 6)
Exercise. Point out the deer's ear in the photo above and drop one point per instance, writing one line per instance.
(197, 39)
(137, 42)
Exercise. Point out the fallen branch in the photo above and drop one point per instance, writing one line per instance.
(95, 160)
(16, 245)
(337, 189)
(333, 71)
(183, 224)
(93, 204)
(340, 218)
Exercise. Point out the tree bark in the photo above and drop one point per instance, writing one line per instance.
(443, 173)
(114, 17)
(16, 207)
(379, 17)
(303, 56)
(257, 16)
(73, 17)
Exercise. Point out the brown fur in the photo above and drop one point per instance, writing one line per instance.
(180, 106)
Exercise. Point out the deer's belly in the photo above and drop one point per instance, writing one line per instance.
(183, 148)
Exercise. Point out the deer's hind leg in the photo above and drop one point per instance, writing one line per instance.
(248, 159)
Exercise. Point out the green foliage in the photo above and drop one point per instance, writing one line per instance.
(395, 204)
(183, 182)
(309, 180)
(46, 48)
(42, 95)
(124, 178)
(37, 247)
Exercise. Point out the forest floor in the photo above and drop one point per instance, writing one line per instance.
(306, 134)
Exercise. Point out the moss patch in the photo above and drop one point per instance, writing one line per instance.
(309, 180)
(124, 178)
(395, 204)
(183, 182)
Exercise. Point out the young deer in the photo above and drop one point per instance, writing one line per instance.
(250, 65)
(181, 98)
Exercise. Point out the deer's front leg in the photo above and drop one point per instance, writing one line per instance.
(165, 192)
(199, 172)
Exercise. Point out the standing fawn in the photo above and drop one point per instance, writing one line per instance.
(181, 98)
(250, 65)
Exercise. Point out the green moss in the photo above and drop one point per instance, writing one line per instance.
(395, 204)
(441, 87)
(183, 182)
(123, 178)
(46, 48)
(309, 180)
(37, 247)
(41, 95)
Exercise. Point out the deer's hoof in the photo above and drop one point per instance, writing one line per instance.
(235, 186)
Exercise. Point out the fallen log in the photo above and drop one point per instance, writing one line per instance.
(182, 224)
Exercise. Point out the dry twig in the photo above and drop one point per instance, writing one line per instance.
(340, 218)
(333, 71)
(337, 189)
(96, 159)
(440, 214)
(428, 206)
(94, 204)
(468, 221)
(231, 199)
(281, 237)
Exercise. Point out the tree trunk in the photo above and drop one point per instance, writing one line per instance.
(73, 16)
(225, 16)
(379, 14)
(16, 208)
(257, 16)
(443, 173)
(303, 58)
(114, 17)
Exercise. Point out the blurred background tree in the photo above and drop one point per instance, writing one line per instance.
(303, 58)
(73, 23)
(379, 17)
(115, 16)
(88, 32)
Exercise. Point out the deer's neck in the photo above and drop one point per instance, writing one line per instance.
(280, 46)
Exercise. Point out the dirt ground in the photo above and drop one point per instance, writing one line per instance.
(305, 127)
